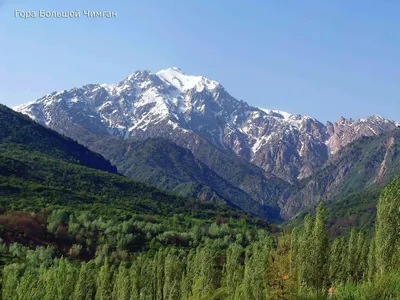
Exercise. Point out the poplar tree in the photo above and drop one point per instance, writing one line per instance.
(105, 282)
(387, 228)
(121, 289)
(233, 270)
(158, 270)
(280, 280)
(51, 288)
(86, 283)
(29, 287)
(371, 260)
(305, 254)
(134, 274)
(256, 267)
(362, 256)
(10, 282)
(173, 267)
(65, 278)
(320, 247)
(351, 264)
(337, 261)
(204, 273)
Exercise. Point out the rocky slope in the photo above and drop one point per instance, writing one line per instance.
(181, 107)
(257, 150)
(369, 162)
(168, 166)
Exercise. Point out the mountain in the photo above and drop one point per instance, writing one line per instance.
(40, 169)
(184, 108)
(345, 131)
(259, 151)
(366, 164)
(18, 132)
(168, 166)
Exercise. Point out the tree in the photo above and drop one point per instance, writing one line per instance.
(105, 282)
(65, 279)
(121, 289)
(371, 260)
(320, 247)
(233, 270)
(203, 272)
(362, 256)
(351, 264)
(281, 281)
(10, 282)
(337, 261)
(387, 228)
(29, 287)
(305, 254)
(86, 283)
(173, 268)
(256, 268)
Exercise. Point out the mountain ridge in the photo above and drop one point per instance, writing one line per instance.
(149, 104)
(265, 153)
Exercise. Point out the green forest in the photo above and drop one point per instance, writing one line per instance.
(92, 257)
(71, 228)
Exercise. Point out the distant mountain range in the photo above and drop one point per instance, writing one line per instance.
(238, 153)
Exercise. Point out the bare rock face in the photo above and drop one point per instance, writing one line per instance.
(345, 131)
(367, 162)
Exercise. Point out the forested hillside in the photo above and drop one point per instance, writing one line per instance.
(170, 167)
(218, 263)
(41, 178)
(365, 165)
(18, 132)
(71, 231)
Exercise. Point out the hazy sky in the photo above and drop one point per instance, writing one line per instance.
(320, 58)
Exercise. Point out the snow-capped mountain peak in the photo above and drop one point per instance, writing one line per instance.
(183, 82)
(185, 108)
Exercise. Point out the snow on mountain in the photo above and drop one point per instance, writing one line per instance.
(182, 107)
(183, 82)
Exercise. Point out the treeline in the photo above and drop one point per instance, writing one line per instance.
(303, 263)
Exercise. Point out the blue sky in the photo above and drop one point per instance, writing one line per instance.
(319, 58)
